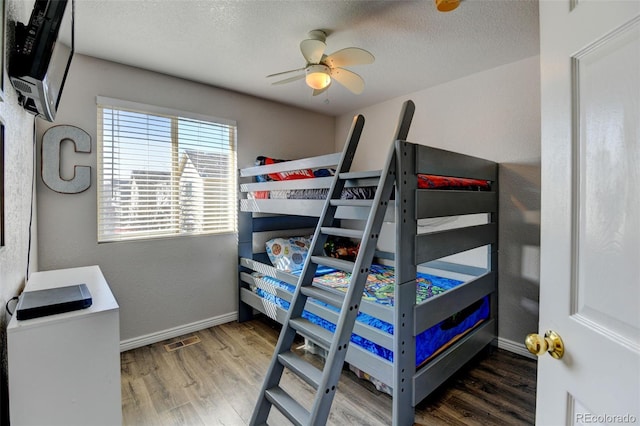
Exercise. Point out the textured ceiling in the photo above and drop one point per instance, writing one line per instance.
(235, 44)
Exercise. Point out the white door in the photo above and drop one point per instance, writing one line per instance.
(590, 230)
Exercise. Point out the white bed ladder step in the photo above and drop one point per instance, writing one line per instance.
(288, 406)
(342, 232)
(361, 175)
(334, 299)
(351, 203)
(332, 262)
(325, 381)
(316, 333)
(303, 369)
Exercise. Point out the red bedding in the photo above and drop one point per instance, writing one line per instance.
(424, 181)
(446, 182)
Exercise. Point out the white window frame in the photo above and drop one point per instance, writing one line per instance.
(177, 226)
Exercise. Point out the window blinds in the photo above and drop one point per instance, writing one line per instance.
(163, 173)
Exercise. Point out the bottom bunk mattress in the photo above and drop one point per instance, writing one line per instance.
(380, 289)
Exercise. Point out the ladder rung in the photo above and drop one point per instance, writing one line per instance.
(302, 368)
(332, 262)
(342, 232)
(351, 203)
(361, 175)
(314, 332)
(333, 299)
(288, 406)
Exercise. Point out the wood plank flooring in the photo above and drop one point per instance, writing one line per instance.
(216, 381)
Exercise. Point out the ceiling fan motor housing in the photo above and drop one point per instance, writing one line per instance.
(318, 35)
(318, 76)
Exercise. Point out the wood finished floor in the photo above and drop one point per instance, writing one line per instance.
(216, 381)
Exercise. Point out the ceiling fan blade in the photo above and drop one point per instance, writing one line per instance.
(348, 79)
(284, 72)
(312, 50)
(289, 80)
(349, 56)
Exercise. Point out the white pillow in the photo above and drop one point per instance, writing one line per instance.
(288, 254)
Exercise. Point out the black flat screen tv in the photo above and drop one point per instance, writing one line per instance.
(41, 56)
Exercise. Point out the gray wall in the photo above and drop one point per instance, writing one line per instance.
(167, 284)
(18, 170)
(163, 285)
(495, 115)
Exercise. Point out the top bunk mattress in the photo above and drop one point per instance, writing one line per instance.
(425, 181)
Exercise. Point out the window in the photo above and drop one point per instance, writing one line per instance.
(163, 173)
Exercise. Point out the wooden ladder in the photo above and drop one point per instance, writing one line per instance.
(325, 381)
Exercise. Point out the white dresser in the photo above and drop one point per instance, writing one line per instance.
(64, 369)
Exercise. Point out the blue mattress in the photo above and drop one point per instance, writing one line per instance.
(379, 289)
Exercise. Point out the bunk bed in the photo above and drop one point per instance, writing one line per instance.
(427, 293)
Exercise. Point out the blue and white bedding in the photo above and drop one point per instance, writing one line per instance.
(380, 289)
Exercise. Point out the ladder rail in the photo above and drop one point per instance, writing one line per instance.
(353, 296)
(325, 381)
(352, 299)
(287, 334)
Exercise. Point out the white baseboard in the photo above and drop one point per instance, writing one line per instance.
(516, 348)
(148, 339)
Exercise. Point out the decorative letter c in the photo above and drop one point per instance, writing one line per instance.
(51, 141)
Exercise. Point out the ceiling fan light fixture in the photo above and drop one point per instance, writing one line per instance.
(447, 5)
(318, 76)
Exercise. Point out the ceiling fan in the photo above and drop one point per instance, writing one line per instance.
(322, 69)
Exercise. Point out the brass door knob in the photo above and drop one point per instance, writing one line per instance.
(551, 342)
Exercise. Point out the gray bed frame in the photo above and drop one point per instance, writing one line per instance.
(413, 251)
